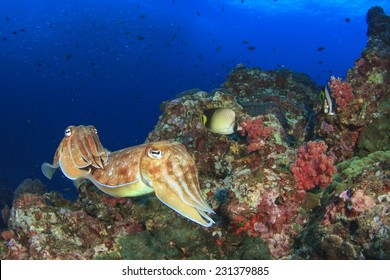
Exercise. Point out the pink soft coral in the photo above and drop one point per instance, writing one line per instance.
(313, 167)
(361, 202)
(255, 132)
(341, 91)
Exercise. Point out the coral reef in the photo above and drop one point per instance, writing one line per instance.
(353, 220)
(368, 111)
(294, 183)
(50, 227)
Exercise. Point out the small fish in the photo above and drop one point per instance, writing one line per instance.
(7, 18)
(246, 42)
(347, 19)
(140, 38)
(218, 49)
(68, 56)
(197, 12)
(320, 49)
(22, 30)
(328, 102)
(142, 16)
(242, 1)
(320, 62)
(251, 48)
(219, 120)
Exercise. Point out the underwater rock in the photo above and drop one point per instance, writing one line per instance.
(29, 186)
(375, 136)
(94, 227)
(378, 24)
(288, 95)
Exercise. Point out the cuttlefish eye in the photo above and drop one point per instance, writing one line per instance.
(157, 154)
(68, 132)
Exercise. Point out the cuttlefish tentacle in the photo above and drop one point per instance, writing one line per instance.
(170, 170)
(79, 150)
(95, 153)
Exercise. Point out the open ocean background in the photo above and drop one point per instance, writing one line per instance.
(111, 63)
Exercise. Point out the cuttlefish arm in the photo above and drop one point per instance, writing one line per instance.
(79, 151)
(171, 171)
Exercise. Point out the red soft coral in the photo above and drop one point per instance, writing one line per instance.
(313, 167)
(255, 132)
(341, 91)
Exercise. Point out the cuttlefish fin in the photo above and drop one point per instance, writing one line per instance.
(173, 200)
(49, 169)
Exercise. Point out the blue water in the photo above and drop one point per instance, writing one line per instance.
(111, 63)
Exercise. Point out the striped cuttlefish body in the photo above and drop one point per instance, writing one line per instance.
(162, 167)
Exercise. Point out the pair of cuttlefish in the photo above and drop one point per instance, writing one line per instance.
(162, 167)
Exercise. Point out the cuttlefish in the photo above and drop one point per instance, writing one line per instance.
(162, 167)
